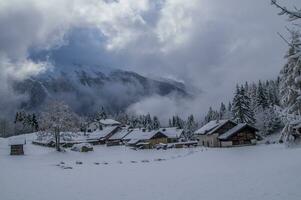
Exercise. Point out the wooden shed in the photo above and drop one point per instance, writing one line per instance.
(16, 146)
(148, 138)
(173, 134)
(242, 134)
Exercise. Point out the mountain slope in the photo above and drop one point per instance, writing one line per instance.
(86, 88)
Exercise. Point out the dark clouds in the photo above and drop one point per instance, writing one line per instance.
(209, 44)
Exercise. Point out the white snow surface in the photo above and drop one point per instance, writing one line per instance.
(262, 172)
(16, 141)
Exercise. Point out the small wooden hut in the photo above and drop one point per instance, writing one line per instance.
(16, 146)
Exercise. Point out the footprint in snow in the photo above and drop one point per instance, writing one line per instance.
(159, 159)
(66, 167)
(145, 161)
(133, 161)
(79, 162)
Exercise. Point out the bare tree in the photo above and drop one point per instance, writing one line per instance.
(58, 117)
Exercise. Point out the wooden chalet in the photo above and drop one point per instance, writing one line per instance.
(16, 146)
(173, 134)
(101, 136)
(241, 134)
(117, 138)
(226, 133)
(145, 138)
(209, 133)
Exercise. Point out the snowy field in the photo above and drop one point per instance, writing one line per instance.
(117, 173)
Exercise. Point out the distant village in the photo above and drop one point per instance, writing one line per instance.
(109, 132)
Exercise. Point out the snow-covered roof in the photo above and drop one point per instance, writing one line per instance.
(172, 132)
(140, 134)
(234, 130)
(120, 135)
(109, 122)
(211, 126)
(17, 141)
(133, 141)
(99, 134)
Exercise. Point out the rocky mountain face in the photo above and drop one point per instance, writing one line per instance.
(85, 89)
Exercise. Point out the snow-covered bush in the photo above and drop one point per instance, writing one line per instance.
(82, 147)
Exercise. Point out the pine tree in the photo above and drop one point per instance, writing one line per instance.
(179, 123)
(156, 123)
(241, 107)
(174, 121)
(190, 127)
(101, 114)
(290, 87)
(261, 97)
(34, 122)
(271, 121)
(222, 111)
(211, 115)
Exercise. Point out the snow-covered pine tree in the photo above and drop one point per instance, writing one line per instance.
(241, 107)
(290, 87)
(229, 107)
(228, 114)
(174, 121)
(179, 123)
(148, 123)
(252, 93)
(101, 114)
(169, 123)
(272, 88)
(190, 127)
(261, 97)
(222, 111)
(156, 123)
(211, 115)
(271, 121)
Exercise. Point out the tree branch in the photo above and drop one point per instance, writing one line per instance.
(293, 15)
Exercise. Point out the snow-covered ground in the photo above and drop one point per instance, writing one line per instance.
(257, 172)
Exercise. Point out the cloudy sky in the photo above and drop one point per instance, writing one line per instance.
(209, 44)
